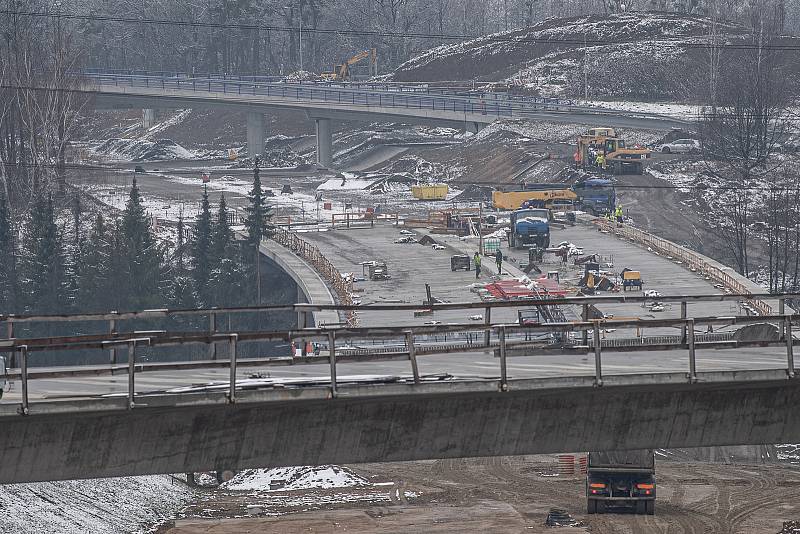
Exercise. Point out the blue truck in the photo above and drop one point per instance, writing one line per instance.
(595, 195)
(530, 226)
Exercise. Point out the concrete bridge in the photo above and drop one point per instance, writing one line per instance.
(324, 102)
(368, 415)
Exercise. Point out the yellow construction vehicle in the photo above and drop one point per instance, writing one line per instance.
(341, 72)
(617, 157)
(513, 200)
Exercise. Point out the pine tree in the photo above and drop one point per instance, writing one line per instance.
(201, 249)
(222, 237)
(93, 275)
(142, 254)
(258, 227)
(180, 247)
(45, 265)
(8, 259)
(258, 213)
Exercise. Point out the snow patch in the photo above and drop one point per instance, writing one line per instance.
(143, 150)
(294, 478)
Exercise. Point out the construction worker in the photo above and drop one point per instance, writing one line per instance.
(476, 259)
(577, 158)
(601, 161)
(619, 214)
(498, 258)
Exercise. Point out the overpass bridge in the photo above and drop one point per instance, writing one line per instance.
(403, 400)
(403, 374)
(325, 102)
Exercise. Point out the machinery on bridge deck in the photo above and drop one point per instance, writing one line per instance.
(621, 478)
(342, 71)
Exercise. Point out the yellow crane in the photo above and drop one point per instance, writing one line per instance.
(341, 72)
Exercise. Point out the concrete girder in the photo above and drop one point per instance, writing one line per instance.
(408, 422)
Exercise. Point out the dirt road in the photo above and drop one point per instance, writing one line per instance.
(514, 494)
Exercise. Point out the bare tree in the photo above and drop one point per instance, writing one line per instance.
(741, 133)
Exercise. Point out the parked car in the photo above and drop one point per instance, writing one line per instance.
(680, 146)
(138, 169)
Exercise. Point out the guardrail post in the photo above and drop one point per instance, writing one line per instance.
(598, 371)
(23, 373)
(689, 328)
(131, 366)
(487, 336)
(683, 316)
(412, 355)
(10, 335)
(782, 311)
(503, 366)
(585, 318)
(232, 340)
(789, 345)
(332, 360)
(212, 329)
(112, 353)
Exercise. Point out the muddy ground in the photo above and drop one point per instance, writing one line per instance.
(509, 494)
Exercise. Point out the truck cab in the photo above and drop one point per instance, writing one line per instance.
(621, 479)
(596, 195)
(530, 226)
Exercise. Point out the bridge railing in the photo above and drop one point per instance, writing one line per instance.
(335, 339)
(472, 103)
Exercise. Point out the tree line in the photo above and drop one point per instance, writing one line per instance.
(52, 264)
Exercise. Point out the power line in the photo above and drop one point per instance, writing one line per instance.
(389, 34)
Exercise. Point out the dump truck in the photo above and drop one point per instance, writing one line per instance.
(619, 158)
(595, 195)
(430, 191)
(530, 226)
(621, 478)
(631, 280)
(546, 198)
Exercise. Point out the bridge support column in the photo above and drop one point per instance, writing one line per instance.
(256, 125)
(148, 118)
(324, 142)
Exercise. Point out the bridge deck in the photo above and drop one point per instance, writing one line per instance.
(413, 265)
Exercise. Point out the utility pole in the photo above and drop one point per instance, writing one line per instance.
(585, 70)
(301, 35)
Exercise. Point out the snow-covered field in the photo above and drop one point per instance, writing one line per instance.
(100, 506)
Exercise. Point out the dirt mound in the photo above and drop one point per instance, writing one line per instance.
(633, 55)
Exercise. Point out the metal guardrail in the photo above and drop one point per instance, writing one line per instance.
(695, 262)
(342, 285)
(23, 348)
(477, 104)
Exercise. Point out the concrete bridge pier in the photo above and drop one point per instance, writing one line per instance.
(256, 126)
(148, 118)
(324, 142)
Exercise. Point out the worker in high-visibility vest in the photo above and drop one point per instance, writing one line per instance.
(619, 214)
(476, 259)
(601, 161)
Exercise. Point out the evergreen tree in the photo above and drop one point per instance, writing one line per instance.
(8, 259)
(45, 265)
(180, 247)
(201, 249)
(93, 279)
(258, 227)
(222, 237)
(143, 257)
(258, 213)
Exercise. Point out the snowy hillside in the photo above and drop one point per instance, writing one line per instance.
(637, 55)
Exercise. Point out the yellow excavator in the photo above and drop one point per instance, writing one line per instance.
(619, 158)
(341, 72)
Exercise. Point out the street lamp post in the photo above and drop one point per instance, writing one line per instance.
(301, 34)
